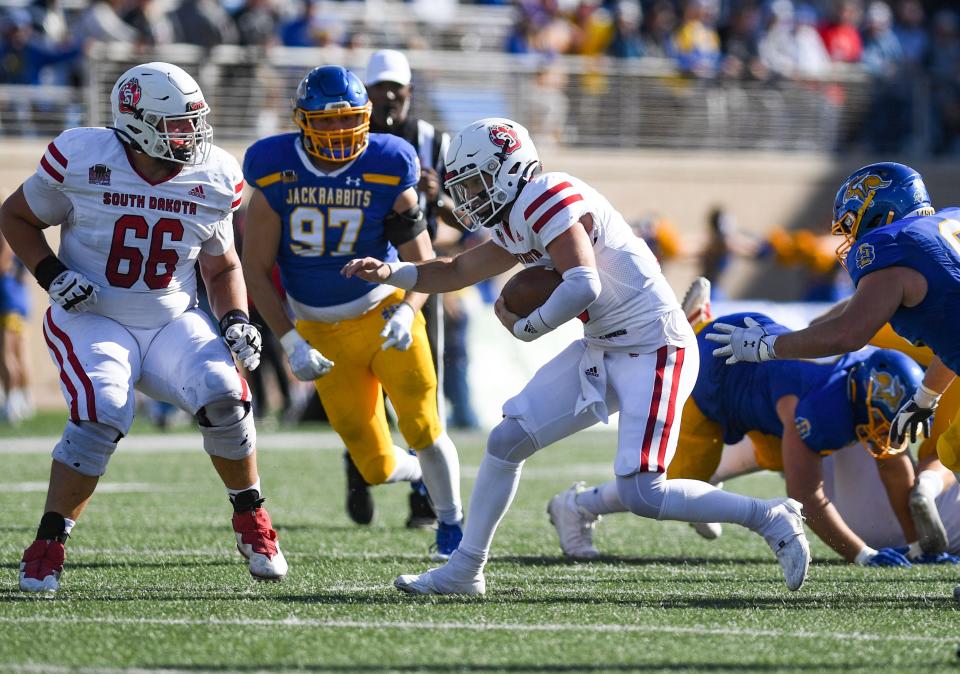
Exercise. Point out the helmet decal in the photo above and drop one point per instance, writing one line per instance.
(129, 96)
(505, 138)
(862, 186)
(193, 106)
(887, 390)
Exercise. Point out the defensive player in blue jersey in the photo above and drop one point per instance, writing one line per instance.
(904, 258)
(326, 194)
(795, 412)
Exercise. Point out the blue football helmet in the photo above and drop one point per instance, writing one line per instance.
(877, 388)
(874, 196)
(332, 111)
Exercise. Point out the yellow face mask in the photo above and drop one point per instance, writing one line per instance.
(336, 135)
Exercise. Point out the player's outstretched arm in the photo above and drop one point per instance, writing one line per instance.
(439, 275)
(897, 474)
(804, 477)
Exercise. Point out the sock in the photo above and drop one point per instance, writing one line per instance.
(653, 495)
(696, 501)
(441, 473)
(492, 495)
(407, 468)
(601, 500)
(53, 527)
(246, 499)
(68, 525)
(930, 482)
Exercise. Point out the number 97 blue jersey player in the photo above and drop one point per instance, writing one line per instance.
(904, 258)
(323, 195)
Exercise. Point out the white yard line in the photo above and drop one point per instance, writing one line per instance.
(311, 623)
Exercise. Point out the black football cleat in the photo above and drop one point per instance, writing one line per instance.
(359, 499)
(422, 514)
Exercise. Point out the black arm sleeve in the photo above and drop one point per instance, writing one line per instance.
(403, 227)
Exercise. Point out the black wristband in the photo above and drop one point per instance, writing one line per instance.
(233, 317)
(48, 269)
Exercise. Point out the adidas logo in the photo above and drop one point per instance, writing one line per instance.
(197, 192)
(529, 328)
(591, 372)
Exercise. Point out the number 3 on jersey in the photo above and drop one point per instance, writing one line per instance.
(309, 228)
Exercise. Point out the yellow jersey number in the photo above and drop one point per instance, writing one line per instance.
(309, 228)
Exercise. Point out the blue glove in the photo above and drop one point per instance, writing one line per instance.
(890, 557)
(938, 558)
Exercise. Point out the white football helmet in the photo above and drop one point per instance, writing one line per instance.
(159, 109)
(487, 165)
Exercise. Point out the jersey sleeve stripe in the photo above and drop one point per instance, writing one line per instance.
(268, 180)
(553, 210)
(57, 155)
(56, 175)
(238, 189)
(381, 179)
(543, 198)
(237, 202)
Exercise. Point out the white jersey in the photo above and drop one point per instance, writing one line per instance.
(636, 308)
(138, 241)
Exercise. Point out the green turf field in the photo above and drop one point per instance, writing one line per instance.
(154, 583)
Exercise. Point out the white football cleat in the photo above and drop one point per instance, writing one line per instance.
(709, 530)
(785, 536)
(926, 518)
(574, 524)
(443, 580)
(696, 303)
(257, 542)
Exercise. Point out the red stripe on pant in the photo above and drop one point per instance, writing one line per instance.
(671, 410)
(77, 368)
(71, 389)
(654, 409)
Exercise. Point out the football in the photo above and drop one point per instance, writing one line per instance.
(529, 288)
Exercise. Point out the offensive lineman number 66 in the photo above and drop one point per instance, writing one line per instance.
(158, 255)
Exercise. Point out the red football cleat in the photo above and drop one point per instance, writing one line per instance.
(257, 541)
(42, 566)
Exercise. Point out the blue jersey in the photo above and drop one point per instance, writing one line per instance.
(328, 219)
(930, 245)
(743, 397)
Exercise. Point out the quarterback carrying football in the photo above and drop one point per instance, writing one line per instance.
(140, 205)
(638, 357)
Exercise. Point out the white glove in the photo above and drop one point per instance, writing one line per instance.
(751, 344)
(913, 416)
(396, 332)
(73, 291)
(245, 341)
(306, 362)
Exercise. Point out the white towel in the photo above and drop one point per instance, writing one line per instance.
(593, 385)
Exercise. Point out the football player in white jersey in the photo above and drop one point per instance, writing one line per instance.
(638, 356)
(139, 206)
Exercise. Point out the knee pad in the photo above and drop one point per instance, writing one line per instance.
(228, 429)
(642, 493)
(509, 442)
(86, 447)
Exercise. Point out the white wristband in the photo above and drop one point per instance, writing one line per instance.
(864, 556)
(402, 275)
(769, 341)
(290, 341)
(926, 398)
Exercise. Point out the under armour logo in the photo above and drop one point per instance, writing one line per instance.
(749, 344)
(352, 182)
